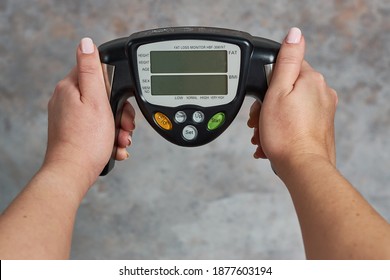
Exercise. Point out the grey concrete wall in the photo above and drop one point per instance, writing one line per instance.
(214, 201)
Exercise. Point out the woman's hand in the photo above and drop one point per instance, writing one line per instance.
(296, 118)
(81, 126)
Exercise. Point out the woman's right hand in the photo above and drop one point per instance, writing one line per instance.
(296, 118)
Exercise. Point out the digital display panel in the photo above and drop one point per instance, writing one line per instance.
(163, 62)
(189, 85)
(195, 72)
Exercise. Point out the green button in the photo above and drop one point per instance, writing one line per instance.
(216, 121)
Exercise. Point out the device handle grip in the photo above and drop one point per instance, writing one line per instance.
(261, 65)
(119, 85)
(117, 109)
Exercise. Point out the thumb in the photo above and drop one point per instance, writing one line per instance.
(90, 74)
(288, 63)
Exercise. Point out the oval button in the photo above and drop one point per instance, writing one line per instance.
(216, 121)
(163, 121)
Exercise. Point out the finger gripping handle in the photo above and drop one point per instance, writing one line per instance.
(118, 83)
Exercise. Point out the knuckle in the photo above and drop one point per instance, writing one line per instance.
(335, 95)
(318, 78)
(280, 90)
(61, 85)
(50, 103)
(87, 68)
(288, 59)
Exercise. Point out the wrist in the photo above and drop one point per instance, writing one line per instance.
(298, 165)
(72, 161)
(68, 175)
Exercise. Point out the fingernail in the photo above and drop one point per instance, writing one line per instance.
(87, 46)
(127, 155)
(294, 36)
(253, 141)
(130, 140)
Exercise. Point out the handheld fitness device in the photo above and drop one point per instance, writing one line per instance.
(189, 82)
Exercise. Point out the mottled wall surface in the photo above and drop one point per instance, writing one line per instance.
(209, 202)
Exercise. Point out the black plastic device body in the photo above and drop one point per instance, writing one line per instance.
(201, 124)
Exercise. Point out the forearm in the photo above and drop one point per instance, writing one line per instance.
(336, 221)
(39, 222)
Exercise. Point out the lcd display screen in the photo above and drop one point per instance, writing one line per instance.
(189, 85)
(163, 62)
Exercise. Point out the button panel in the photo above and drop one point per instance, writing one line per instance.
(189, 123)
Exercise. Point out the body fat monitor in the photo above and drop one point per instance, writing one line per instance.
(189, 82)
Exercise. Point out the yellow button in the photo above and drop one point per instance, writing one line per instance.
(163, 121)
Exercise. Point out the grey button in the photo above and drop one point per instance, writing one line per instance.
(198, 117)
(190, 132)
(180, 117)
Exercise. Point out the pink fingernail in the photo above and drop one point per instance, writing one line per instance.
(129, 140)
(294, 36)
(87, 46)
